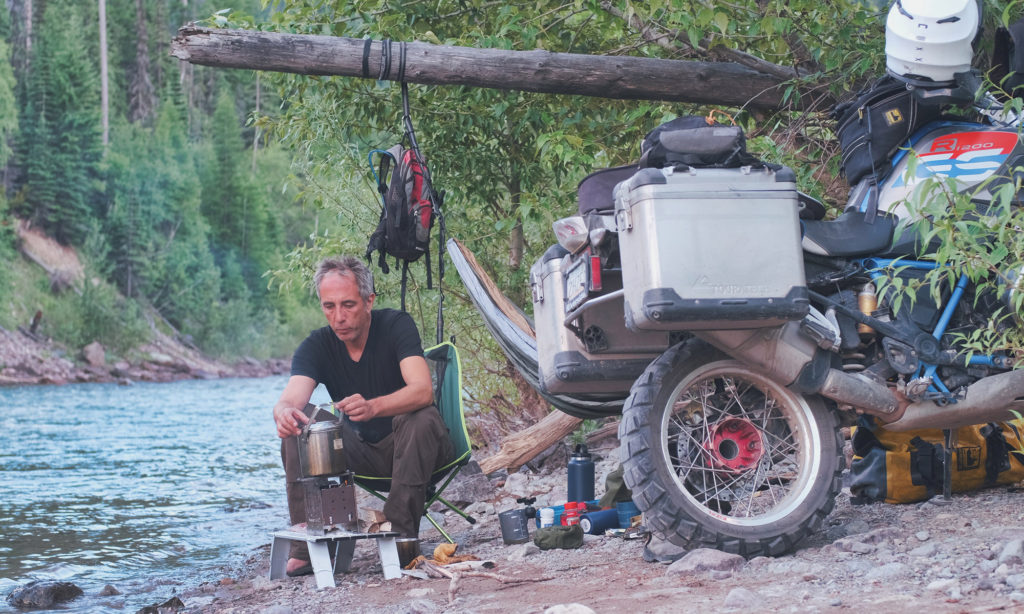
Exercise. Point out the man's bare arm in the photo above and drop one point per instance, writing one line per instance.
(418, 392)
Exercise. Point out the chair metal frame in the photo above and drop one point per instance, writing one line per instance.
(446, 373)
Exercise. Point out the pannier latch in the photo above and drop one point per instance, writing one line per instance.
(623, 220)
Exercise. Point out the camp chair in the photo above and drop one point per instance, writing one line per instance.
(446, 376)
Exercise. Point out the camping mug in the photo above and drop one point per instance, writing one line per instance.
(514, 529)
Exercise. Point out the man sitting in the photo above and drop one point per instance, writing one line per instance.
(372, 364)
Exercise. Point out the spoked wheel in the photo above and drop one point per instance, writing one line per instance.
(718, 455)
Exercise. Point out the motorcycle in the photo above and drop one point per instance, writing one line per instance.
(736, 333)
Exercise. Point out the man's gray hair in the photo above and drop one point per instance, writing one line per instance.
(345, 265)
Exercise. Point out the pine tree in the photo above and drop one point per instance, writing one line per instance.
(61, 139)
(245, 232)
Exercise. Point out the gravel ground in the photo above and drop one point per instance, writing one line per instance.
(961, 556)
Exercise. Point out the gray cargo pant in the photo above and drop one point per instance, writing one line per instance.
(418, 445)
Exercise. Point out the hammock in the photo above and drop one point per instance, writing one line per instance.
(514, 332)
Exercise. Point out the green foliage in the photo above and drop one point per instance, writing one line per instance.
(180, 212)
(99, 313)
(61, 135)
(8, 106)
(158, 238)
(974, 235)
(510, 161)
(245, 234)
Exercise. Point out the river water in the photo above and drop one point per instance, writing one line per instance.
(152, 488)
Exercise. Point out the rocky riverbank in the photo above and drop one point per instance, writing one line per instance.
(27, 359)
(966, 555)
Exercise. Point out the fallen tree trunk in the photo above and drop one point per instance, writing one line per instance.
(518, 449)
(622, 77)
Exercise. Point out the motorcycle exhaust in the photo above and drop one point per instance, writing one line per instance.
(992, 399)
(786, 355)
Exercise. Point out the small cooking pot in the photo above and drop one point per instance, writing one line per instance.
(321, 451)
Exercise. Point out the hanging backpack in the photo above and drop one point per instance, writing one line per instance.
(409, 206)
(407, 215)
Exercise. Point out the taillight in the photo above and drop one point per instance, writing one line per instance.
(595, 272)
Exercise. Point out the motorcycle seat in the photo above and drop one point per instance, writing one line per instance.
(848, 235)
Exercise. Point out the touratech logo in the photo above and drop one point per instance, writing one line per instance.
(893, 117)
(968, 457)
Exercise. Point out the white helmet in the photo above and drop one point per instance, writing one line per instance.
(928, 41)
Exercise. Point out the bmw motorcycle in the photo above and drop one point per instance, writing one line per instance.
(736, 332)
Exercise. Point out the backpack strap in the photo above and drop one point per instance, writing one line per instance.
(405, 277)
(871, 208)
(926, 464)
(997, 453)
(436, 201)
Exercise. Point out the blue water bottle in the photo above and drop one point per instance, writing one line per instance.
(581, 475)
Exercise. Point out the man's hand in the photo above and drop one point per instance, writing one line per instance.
(357, 408)
(289, 420)
(287, 413)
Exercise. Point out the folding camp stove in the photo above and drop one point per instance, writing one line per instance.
(330, 503)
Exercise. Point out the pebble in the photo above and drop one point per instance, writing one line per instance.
(706, 559)
(1012, 552)
(421, 606)
(569, 608)
(522, 551)
(926, 551)
(742, 599)
(518, 484)
(1015, 580)
(887, 571)
(852, 545)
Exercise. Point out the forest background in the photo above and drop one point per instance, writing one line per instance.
(199, 199)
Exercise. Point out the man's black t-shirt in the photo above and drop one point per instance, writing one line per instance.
(324, 358)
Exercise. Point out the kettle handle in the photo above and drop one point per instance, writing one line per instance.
(312, 418)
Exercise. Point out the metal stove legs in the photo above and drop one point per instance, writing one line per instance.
(343, 544)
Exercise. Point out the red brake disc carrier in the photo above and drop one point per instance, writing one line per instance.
(734, 444)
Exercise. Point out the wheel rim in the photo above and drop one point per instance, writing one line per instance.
(740, 447)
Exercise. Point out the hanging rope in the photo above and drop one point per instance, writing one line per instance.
(435, 199)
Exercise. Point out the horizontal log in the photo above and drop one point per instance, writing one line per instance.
(620, 77)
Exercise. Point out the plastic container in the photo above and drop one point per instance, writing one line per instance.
(572, 514)
(546, 517)
(626, 511)
(596, 523)
(560, 511)
(581, 475)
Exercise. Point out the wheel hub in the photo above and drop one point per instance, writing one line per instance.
(735, 445)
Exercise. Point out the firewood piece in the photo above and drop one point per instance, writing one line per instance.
(519, 448)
